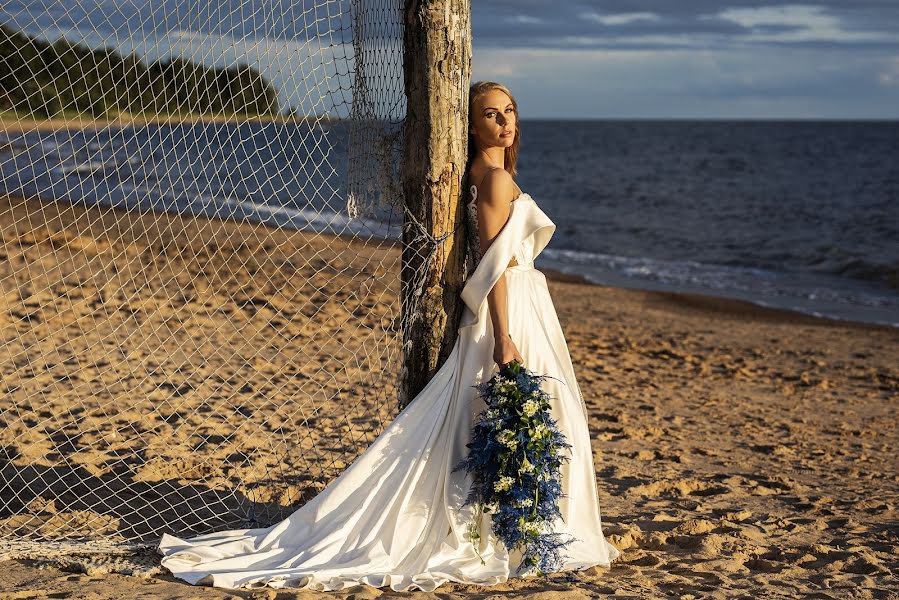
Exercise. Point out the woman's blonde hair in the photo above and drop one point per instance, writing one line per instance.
(476, 90)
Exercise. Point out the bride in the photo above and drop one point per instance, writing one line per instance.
(395, 516)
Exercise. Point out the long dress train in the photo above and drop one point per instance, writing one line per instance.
(394, 517)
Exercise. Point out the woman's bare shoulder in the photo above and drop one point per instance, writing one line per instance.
(497, 187)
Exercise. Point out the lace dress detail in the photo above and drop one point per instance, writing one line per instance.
(474, 238)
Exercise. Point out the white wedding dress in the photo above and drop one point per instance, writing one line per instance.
(394, 517)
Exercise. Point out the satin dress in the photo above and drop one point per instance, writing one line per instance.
(395, 516)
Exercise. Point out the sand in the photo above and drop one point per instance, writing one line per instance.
(741, 452)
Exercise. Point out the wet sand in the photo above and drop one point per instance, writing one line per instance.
(740, 451)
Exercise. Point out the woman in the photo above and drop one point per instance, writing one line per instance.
(396, 515)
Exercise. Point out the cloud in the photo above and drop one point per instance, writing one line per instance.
(797, 23)
(801, 16)
(697, 23)
(696, 59)
(696, 83)
(523, 20)
(621, 18)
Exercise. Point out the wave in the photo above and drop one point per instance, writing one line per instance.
(321, 220)
(868, 270)
(820, 294)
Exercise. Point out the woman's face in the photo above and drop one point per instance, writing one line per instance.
(493, 120)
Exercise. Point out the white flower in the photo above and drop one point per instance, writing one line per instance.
(530, 407)
(531, 527)
(504, 385)
(504, 483)
(526, 502)
(506, 437)
(541, 430)
(526, 466)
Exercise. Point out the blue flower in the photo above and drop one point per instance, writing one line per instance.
(515, 457)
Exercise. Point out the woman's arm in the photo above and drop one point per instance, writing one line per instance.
(494, 206)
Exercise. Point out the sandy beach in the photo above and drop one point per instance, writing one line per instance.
(741, 452)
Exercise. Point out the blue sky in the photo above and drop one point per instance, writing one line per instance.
(562, 59)
(692, 58)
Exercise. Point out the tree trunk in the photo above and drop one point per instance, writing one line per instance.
(437, 67)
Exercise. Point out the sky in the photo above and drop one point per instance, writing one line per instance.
(563, 59)
(836, 59)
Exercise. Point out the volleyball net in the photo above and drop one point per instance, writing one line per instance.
(200, 241)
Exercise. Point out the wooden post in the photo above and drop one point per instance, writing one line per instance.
(437, 67)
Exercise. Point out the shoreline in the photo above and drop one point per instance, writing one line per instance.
(739, 303)
(10, 124)
(694, 301)
(675, 301)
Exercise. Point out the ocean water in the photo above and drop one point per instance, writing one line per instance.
(798, 215)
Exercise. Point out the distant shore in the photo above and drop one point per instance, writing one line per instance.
(11, 123)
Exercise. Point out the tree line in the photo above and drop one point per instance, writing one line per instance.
(46, 79)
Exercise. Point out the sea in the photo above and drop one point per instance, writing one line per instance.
(801, 215)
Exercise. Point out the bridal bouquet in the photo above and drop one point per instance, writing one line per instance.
(515, 455)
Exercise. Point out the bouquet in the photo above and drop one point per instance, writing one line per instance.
(515, 455)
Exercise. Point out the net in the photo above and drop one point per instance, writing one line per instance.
(199, 284)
